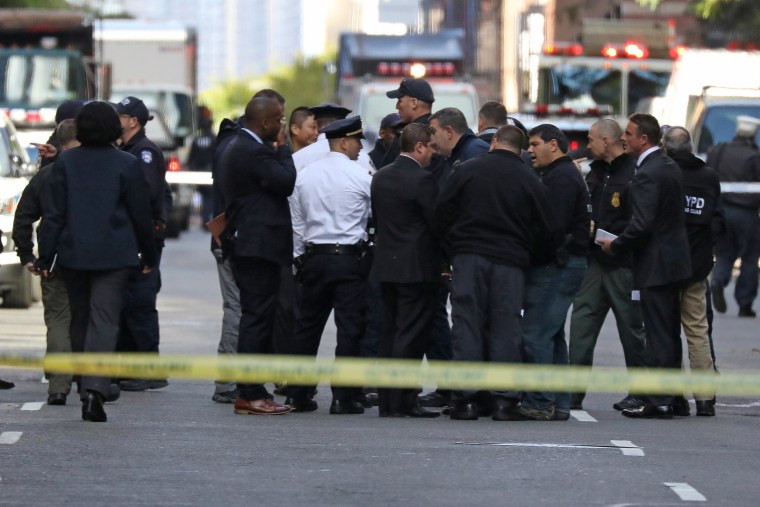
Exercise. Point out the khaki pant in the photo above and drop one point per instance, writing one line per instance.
(694, 322)
(57, 315)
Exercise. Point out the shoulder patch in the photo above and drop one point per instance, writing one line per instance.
(146, 156)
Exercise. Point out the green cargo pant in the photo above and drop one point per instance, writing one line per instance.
(57, 315)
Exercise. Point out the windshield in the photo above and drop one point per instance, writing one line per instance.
(720, 124)
(581, 88)
(176, 108)
(35, 80)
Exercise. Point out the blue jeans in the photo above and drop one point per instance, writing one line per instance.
(549, 292)
(741, 240)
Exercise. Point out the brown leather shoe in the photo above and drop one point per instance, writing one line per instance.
(261, 407)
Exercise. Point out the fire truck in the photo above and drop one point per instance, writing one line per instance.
(370, 65)
(614, 71)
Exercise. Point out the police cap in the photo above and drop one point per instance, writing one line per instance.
(328, 110)
(132, 106)
(747, 126)
(411, 87)
(348, 127)
(391, 120)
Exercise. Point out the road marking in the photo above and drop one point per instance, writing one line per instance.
(686, 492)
(32, 405)
(10, 437)
(582, 415)
(44, 380)
(628, 448)
(745, 405)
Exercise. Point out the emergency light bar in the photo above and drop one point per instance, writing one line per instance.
(416, 69)
(629, 50)
(561, 110)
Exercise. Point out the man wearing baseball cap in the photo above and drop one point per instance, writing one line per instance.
(414, 102)
(139, 330)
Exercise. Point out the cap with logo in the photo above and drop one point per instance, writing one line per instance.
(348, 127)
(412, 87)
(329, 110)
(132, 106)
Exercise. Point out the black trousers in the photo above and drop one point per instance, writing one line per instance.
(660, 309)
(139, 322)
(259, 283)
(96, 299)
(330, 282)
(285, 317)
(408, 312)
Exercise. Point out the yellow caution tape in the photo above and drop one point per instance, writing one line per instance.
(392, 373)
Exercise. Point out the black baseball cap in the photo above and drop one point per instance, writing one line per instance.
(391, 120)
(415, 88)
(348, 127)
(132, 106)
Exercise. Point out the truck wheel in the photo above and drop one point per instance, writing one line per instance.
(21, 295)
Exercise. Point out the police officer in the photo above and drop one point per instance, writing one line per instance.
(330, 206)
(140, 331)
(738, 161)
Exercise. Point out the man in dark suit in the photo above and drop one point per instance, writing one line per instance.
(257, 179)
(657, 237)
(406, 261)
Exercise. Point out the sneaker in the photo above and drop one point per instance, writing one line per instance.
(434, 399)
(225, 397)
(718, 299)
(139, 384)
(535, 414)
(628, 402)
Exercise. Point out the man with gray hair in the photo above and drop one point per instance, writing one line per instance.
(738, 160)
(703, 218)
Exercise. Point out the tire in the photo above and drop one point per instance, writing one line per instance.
(21, 295)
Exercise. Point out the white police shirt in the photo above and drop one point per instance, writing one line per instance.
(315, 151)
(330, 203)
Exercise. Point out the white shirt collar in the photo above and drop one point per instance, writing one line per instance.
(253, 134)
(409, 156)
(644, 155)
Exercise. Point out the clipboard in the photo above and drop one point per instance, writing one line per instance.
(215, 226)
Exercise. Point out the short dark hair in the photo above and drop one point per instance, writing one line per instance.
(451, 117)
(66, 131)
(97, 124)
(299, 115)
(511, 136)
(493, 113)
(547, 132)
(270, 94)
(648, 126)
(414, 133)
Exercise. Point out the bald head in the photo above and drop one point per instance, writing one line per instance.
(605, 141)
(677, 142)
(508, 138)
(263, 116)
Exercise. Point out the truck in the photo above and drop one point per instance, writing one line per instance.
(46, 58)
(368, 66)
(156, 61)
(611, 73)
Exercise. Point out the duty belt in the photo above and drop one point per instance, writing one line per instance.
(335, 249)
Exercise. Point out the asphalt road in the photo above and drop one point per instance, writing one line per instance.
(175, 446)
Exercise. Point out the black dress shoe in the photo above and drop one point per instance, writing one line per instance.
(418, 413)
(92, 407)
(6, 385)
(434, 399)
(681, 407)
(647, 411)
(56, 399)
(372, 400)
(560, 415)
(504, 410)
(464, 411)
(628, 402)
(307, 405)
(346, 407)
(747, 311)
(113, 393)
(706, 408)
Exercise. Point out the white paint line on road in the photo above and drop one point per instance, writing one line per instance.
(628, 448)
(44, 380)
(32, 405)
(582, 416)
(10, 437)
(686, 492)
(745, 405)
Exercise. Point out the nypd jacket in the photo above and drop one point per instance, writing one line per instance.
(609, 186)
(738, 160)
(704, 214)
(154, 168)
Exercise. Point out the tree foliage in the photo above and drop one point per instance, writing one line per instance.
(304, 83)
(36, 4)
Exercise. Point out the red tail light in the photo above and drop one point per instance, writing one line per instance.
(573, 145)
(33, 116)
(635, 50)
(173, 165)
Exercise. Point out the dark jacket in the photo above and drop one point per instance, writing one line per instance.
(438, 165)
(467, 147)
(96, 213)
(28, 211)
(495, 206)
(152, 163)
(403, 204)
(257, 180)
(228, 129)
(378, 153)
(610, 188)
(569, 205)
(737, 161)
(704, 214)
(656, 233)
